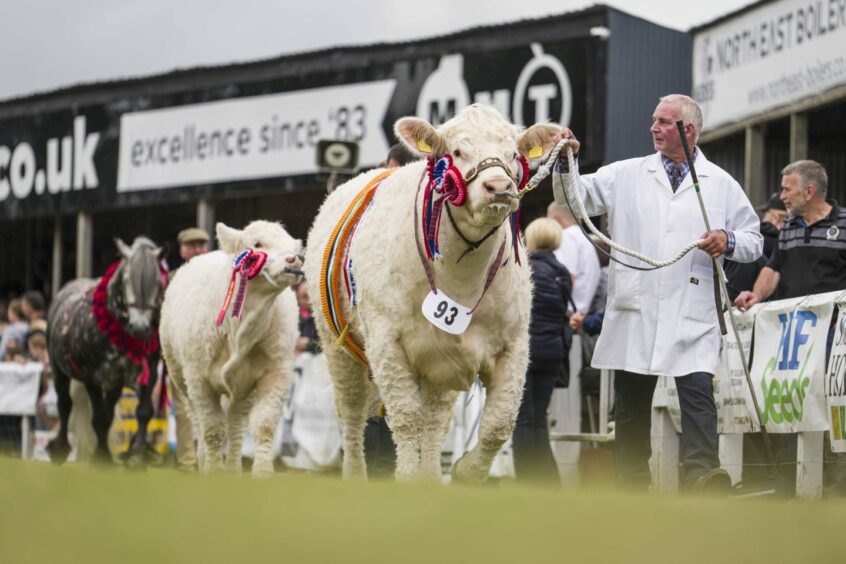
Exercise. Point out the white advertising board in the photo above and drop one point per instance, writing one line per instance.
(251, 137)
(771, 56)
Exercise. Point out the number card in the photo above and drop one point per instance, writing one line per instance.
(445, 313)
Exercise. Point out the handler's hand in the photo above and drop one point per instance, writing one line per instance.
(746, 299)
(714, 243)
(576, 321)
(574, 143)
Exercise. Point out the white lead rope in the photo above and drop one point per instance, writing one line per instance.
(575, 196)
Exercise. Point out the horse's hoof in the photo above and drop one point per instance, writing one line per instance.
(58, 451)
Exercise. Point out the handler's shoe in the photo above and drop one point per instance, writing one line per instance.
(715, 481)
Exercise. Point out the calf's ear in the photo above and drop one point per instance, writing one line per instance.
(230, 240)
(419, 136)
(538, 140)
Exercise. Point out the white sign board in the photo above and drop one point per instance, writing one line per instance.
(19, 386)
(735, 410)
(251, 137)
(835, 384)
(789, 364)
(771, 56)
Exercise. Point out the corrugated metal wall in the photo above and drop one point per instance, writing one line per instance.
(828, 146)
(645, 61)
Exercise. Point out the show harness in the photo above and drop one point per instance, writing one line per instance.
(446, 187)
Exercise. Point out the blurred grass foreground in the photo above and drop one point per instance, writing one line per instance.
(81, 514)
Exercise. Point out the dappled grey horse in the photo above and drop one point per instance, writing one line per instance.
(104, 333)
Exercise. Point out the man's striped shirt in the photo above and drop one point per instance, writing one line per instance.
(811, 259)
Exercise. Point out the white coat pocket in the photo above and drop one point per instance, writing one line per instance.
(699, 302)
(624, 288)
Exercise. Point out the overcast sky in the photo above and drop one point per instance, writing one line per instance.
(49, 44)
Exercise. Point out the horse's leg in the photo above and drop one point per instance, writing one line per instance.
(101, 420)
(59, 448)
(143, 414)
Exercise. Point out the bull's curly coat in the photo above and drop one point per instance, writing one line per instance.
(416, 368)
(250, 360)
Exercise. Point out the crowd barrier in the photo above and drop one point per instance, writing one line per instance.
(19, 387)
(798, 384)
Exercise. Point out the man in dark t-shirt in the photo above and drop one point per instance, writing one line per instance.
(809, 258)
(810, 255)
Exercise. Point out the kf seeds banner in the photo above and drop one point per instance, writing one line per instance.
(788, 367)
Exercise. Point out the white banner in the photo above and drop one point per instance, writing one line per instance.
(771, 56)
(735, 410)
(788, 367)
(835, 388)
(247, 138)
(19, 386)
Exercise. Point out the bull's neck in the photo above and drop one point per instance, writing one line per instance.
(475, 262)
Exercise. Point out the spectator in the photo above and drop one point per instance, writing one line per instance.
(548, 349)
(308, 340)
(663, 322)
(33, 307)
(774, 214)
(193, 242)
(809, 258)
(14, 335)
(577, 254)
(399, 155)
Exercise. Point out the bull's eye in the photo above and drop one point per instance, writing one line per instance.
(457, 154)
(258, 245)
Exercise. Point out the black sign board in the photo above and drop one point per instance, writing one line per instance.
(335, 155)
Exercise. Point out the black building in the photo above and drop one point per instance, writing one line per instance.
(233, 143)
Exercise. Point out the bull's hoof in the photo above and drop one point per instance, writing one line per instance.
(58, 451)
(464, 473)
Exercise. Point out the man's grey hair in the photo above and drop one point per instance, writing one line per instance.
(690, 111)
(810, 172)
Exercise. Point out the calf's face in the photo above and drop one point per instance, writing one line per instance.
(284, 253)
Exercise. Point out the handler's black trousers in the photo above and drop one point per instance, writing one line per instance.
(633, 422)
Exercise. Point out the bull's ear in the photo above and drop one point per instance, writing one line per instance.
(538, 140)
(123, 248)
(419, 136)
(230, 240)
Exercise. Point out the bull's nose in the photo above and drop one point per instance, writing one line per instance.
(497, 185)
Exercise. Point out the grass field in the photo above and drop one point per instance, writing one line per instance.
(81, 514)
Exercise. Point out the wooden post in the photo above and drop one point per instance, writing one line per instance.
(205, 218)
(809, 465)
(56, 277)
(84, 244)
(798, 137)
(754, 165)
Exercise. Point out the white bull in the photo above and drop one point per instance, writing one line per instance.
(417, 368)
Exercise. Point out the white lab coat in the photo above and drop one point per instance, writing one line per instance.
(663, 322)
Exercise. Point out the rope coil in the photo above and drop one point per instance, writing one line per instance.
(573, 196)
